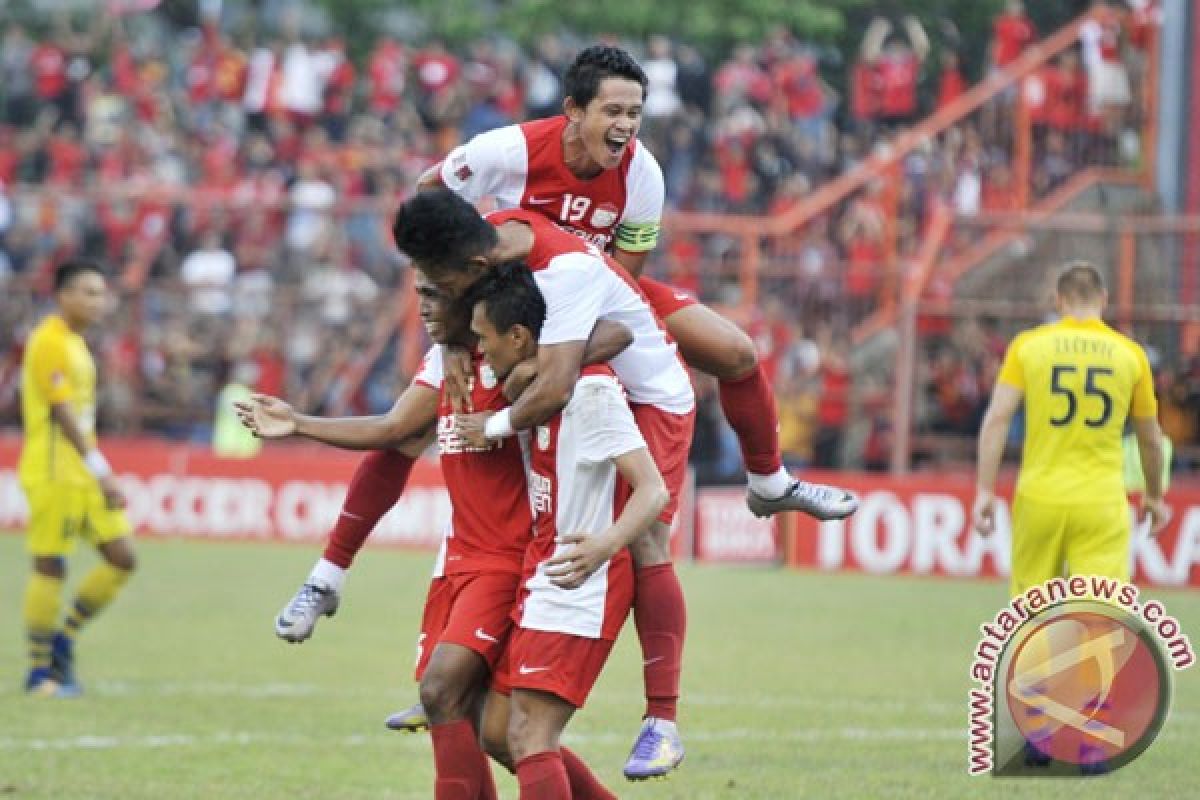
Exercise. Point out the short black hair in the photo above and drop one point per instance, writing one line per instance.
(441, 231)
(593, 65)
(511, 296)
(69, 270)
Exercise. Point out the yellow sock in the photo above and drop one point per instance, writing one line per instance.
(43, 597)
(96, 590)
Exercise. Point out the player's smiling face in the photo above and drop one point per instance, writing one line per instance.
(609, 124)
(441, 315)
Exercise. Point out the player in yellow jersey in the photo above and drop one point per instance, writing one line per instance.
(1080, 381)
(69, 485)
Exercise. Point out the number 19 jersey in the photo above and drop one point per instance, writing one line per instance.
(1081, 381)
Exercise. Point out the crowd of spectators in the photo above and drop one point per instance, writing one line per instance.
(239, 185)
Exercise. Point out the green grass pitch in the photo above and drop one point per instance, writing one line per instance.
(795, 685)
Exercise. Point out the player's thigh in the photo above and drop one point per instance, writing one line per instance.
(451, 680)
(669, 439)
(536, 722)
(711, 343)
(56, 514)
(1097, 540)
(1037, 543)
(479, 618)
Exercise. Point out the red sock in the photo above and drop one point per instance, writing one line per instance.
(542, 776)
(749, 406)
(584, 784)
(487, 789)
(661, 618)
(375, 488)
(458, 761)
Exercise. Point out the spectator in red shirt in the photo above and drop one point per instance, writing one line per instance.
(895, 60)
(951, 84)
(1012, 32)
(48, 63)
(386, 77)
(67, 157)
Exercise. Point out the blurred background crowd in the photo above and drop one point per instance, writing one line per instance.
(234, 167)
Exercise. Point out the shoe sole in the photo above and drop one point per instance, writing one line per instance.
(291, 638)
(763, 513)
(662, 776)
(421, 727)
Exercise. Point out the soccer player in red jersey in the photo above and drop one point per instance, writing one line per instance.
(577, 584)
(454, 247)
(467, 614)
(587, 172)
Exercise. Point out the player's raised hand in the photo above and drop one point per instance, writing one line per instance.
(456, 362)
(267, 417)
(983, 513)
(583, 556)
(469, 427)
(1155, 514)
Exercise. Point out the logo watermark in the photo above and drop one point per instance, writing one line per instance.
(1074, 677)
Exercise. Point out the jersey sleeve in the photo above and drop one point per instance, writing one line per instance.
(432, 372)
(48, 368)
(637, 231)
(480, 168)
(610, 431)
(571, 287)
(1011, 371)
(1144, 404)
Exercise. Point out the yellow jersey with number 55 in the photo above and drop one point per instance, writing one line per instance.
(1081, 381)
(57, 368)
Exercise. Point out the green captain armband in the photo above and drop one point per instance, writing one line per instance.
(637, 237)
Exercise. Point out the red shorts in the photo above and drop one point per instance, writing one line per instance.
(669, 438)
(564, 665)
(471, 609)
(663, 299)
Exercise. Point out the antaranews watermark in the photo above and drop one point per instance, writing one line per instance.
(1074, 677)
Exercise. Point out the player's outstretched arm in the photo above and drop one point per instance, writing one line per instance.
(93, 459)
(1150, 448)
(414, 412)
(573, 566)
(608, 340)
(1006, 400)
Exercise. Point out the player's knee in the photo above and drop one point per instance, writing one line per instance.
(738, 357)
(443, 697)
(120, 555)
(652, 547)
(520, 738)
(50, 566)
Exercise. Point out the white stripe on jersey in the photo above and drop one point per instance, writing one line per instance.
(597, 427)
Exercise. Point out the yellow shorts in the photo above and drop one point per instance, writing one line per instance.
(61, 515)
(1049, 541)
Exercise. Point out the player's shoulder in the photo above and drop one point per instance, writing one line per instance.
(541, 130)
(642, 161)
(51, 330)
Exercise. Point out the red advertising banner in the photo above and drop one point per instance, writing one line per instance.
(920, 525)
(286, 492)
(726, 531)
(292, 493)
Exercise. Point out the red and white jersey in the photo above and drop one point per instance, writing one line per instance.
(490, 523)
(573, 489)
(522, 166)
(582, 285)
